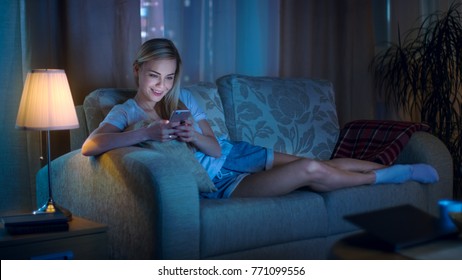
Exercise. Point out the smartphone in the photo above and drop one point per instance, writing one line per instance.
(180, 116)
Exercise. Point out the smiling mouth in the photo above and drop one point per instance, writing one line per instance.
(157, 93)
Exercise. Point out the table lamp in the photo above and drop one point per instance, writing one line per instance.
(46, 104)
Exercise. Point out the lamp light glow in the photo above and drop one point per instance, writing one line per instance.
(46, 104)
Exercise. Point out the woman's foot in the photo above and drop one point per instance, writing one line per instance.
(400, 173)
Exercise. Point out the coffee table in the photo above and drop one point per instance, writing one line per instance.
(363, 246)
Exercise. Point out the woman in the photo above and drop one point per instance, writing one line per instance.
(238, 169)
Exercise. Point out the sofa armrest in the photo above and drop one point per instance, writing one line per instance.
(149, 213)
(424, 147)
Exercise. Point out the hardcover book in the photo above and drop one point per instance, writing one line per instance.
(35, 223)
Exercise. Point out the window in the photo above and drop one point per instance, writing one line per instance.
(152, 19)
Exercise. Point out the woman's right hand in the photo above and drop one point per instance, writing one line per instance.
(161, 131)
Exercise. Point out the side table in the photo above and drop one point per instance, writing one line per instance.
(363, 246)
(84, 240)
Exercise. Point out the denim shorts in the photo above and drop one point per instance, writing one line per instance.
(243, 159)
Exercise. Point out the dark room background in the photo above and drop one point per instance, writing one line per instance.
(95, 42)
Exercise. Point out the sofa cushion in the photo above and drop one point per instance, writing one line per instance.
(375, 140)
(295, 116)
(206, 95)
(79, 135)
(181, 153)
(239, 224)
(99, 102)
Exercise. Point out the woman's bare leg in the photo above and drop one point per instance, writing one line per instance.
(349, 164)
(288, 177)
(281, 159)
(352, 164)
(322, 177)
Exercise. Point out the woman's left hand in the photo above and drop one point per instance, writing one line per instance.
(185, 132)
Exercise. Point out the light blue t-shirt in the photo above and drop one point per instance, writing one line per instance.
(129, 113)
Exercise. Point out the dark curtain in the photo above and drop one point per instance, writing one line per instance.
(331, 40)
(15, 181)
(93, 41)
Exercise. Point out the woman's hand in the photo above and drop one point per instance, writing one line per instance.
(204, 142)
(184, 132)
(161, 131)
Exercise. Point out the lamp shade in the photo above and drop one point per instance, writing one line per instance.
(46, 102)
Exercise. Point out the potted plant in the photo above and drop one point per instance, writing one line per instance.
(422, 77)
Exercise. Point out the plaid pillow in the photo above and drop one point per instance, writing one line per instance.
(377, 141)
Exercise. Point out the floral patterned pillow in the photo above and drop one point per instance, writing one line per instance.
(209, 101)
(295, 116)
(99, 102)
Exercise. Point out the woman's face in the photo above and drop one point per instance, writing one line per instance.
(156, 78)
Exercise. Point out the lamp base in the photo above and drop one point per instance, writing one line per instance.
(52, 207)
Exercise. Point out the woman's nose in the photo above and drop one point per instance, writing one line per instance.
(160, 84)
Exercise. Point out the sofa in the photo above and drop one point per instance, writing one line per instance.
(149, 197)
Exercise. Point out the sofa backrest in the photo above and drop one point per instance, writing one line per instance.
(99, 102)
(295, 116)
(78, 135)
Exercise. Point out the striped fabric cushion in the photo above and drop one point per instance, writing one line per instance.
(375, 140)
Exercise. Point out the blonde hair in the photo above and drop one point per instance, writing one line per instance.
(161, 48)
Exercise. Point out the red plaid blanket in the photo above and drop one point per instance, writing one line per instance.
(377, 141)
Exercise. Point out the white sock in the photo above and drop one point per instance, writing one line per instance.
(400, 173)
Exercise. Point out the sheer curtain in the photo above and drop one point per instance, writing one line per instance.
(217, 37)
